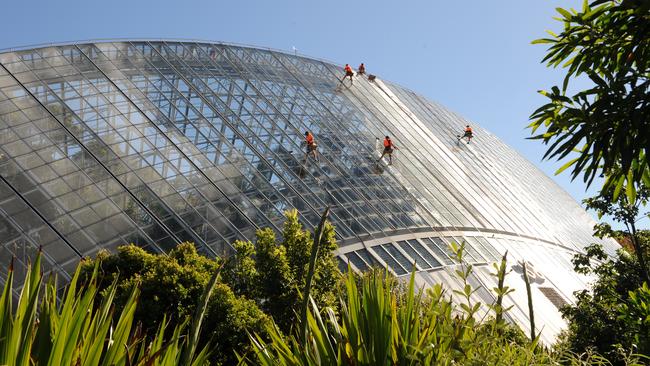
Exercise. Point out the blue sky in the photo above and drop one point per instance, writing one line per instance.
(474, 57)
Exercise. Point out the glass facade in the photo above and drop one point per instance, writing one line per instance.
(159, 142)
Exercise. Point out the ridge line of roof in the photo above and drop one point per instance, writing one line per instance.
(185, 40)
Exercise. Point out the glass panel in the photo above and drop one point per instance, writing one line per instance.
(421, 263)
(389, 260)
(357, 261)
(368, 258)
(425, 253)
(399, 256)
(440, 249)
(343, 267)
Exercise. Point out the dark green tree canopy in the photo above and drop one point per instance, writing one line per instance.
(274, 273)
(262, 281)
(613, 314)
(607, 125)
(172, 285)
(604, 130)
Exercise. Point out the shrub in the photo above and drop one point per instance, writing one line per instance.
(260, 281)
(81, 329)
(274, 274)
(610, 317)
(172, 284)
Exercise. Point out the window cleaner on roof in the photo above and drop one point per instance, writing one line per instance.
(361, 70)
(311, 146)
(388, 149)
(467, 134)
(348, 73)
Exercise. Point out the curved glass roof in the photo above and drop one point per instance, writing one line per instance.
(157, 142)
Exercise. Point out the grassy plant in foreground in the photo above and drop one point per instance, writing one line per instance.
(77, 331)
(380, 326)
(380, 323)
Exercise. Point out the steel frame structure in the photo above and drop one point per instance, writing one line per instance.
(160, 142)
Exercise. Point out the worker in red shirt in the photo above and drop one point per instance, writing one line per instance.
(468, 134)
(388, 149)
(311, 145)
(362, 69)
(348, 73)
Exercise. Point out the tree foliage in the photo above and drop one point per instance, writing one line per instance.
(621, 210)
(274, 274)
(80, 329)
(612, 316)
(259, 281)
(382, 322)
(172, 285)
(605, 130)
(606, 126)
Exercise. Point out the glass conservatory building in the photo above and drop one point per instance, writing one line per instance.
(159, 142)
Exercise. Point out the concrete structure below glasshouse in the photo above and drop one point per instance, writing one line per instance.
(159, 142)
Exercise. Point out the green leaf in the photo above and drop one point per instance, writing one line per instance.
(188, 354)
(116, 352)
(23, 331)
(6, 317)
(646, 176)
(566, 165)
(64, 335)
(630, 190)
(543, 41)
(617, 189)
(552, 33)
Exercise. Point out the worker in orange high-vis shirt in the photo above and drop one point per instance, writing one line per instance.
(362, 69)
(388, 150)
(348, 73)
(311, 145)
(468, 134)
